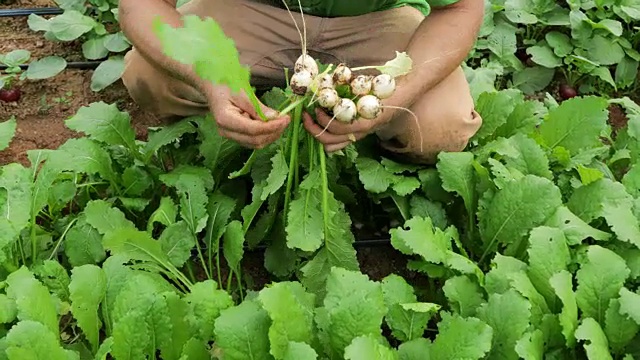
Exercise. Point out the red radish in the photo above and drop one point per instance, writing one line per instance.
(10, 95)
(567, 91)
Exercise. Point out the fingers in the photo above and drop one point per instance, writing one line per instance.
(232, 119)
(324, 137)
(246, 105)
(338, 128)
(251, 142)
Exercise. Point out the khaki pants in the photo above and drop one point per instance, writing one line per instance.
(268, 41)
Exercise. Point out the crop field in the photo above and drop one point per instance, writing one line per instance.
(125, 237)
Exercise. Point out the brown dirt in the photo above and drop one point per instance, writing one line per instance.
(45, 104)
(617, 118)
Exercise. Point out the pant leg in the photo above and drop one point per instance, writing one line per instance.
(446, 114)
(265, 37)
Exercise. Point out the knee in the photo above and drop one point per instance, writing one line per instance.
(452, 133)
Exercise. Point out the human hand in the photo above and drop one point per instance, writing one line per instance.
(339, 135)
(238, 120)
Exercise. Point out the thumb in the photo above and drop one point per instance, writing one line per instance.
(248, 106)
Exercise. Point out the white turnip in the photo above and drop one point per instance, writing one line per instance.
(328, 97)
(345, 110)
(369, 107)
(361, 85)
(306, 62)
(383, 86)
(300, 82)
(342, 74)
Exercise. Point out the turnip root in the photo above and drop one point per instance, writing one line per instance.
(306, 62)
(300, 82)
(342, 74)
(328, 97)
(369, 107)
(345, 110)
(325, 81)
(383, 86)
(361, 85)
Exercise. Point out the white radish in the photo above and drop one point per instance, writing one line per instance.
(369, 107)
(325, 81)
(383, 86)
(328, 98)
(306, 62)
(361, 85)
(342, 74)
(300, 82)
(345, 110)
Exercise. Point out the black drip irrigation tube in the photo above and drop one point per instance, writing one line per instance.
(27, 12)
(82, 65)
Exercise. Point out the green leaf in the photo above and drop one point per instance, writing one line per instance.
(107, 73)
(544, 55)
(596, 344)
(16, 191)
(562, 283)
(32, 299)
(548, 254)
(233, 244)
(244, 324)
(7, 131)
(207, 305)
(168, 134)
(213, 54)
(176, 242)
(576, 124)
(87, 290)
(495, 107)
(619, 328)
(531, 345)
(630, 304)
(105, 218)
(607, 199)
(367, 347)
(32, 340)
(599, 280)
(417, 349)
(406, 317)
(45, 68)
(291, 310)
(508, 314)
(464, 295)
(104, 122)
(305, 225)
(353, 306)
(300, 351)
(516, 209)
(458, 175)
(461, 338)
(373, 175)
(575, 229)
(277, 175)
(70, 25)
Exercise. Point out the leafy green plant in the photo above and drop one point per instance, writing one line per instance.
(44, 68)
(95, 23)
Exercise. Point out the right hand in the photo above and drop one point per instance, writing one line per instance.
(238, 120)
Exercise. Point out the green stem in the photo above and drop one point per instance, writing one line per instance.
(204, 264)
(246, 168)
(64, 234)
(325, 188)
(293, 157)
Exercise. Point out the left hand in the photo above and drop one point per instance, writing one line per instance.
(339, 135)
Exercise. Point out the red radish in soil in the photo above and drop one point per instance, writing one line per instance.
(567, 91)
(10, 95)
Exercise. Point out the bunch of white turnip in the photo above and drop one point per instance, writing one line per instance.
(366, 92)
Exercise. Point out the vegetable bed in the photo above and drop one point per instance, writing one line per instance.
(179, 244)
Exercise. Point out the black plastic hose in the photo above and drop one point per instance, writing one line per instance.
(83, 65)
(27, 12)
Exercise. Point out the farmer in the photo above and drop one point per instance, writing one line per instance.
(436, 34)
